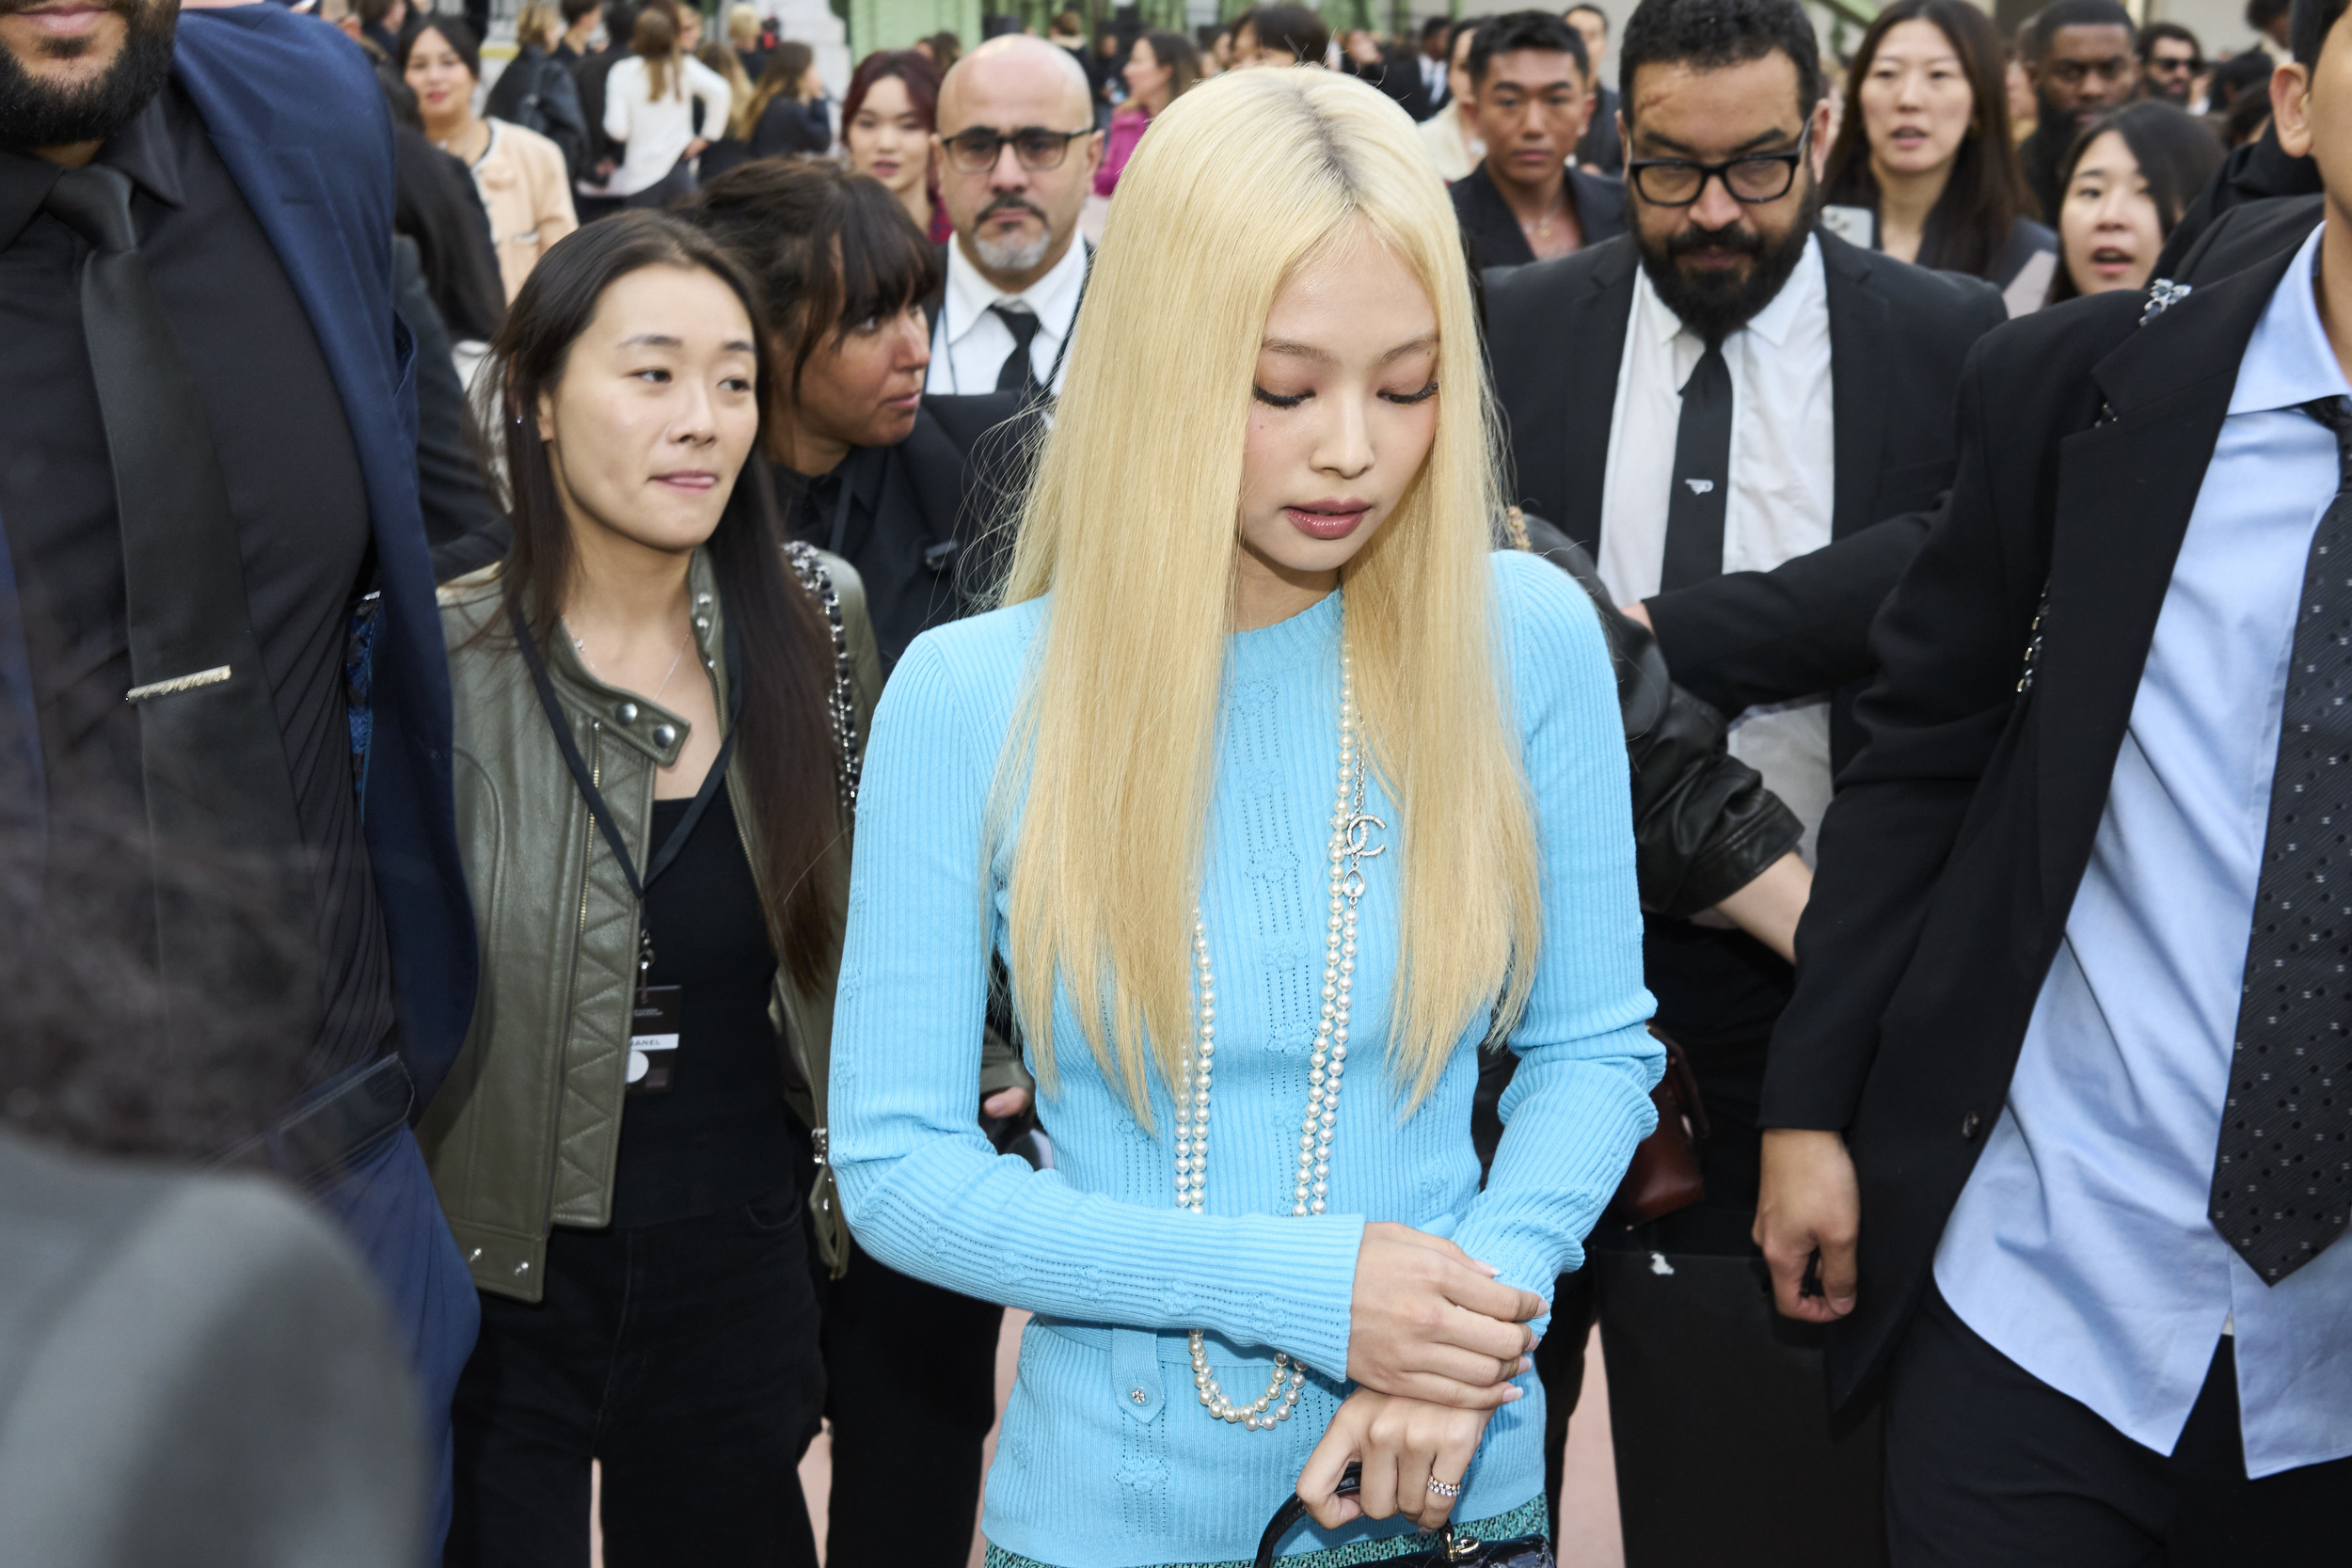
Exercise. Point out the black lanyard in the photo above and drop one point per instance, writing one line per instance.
(587, 783)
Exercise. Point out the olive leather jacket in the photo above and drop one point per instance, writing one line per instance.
(526, 1132)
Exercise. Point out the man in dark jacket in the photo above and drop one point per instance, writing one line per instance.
(1739, 417)
(2058, 1118)
(2079, 54)
(215, 604)
(1530, 94)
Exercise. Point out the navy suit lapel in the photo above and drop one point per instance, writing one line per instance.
(2127, 489)
(1860, 326)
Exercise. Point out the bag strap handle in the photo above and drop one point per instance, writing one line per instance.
(841, 708)
(1294, 1509)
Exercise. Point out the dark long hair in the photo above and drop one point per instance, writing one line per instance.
(2176, 155)
(1986, 191)
(1174, 51)
(830, 251)
(784, 739)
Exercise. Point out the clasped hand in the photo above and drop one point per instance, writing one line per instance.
(1435, 1341)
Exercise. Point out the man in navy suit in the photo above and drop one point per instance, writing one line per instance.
(195, 219)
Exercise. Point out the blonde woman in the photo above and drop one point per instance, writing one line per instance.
(1268, 768)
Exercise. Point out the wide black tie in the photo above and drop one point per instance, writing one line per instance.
(1702, 475)
(218, 789)
(2282, 1176)
(1018, 373)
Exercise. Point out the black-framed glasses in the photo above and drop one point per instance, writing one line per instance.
(2169, 64)
(976, 151)
(1757, 177)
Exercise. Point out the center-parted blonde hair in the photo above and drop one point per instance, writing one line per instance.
(1132, 524)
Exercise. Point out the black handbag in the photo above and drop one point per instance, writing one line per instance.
(1450, 1547)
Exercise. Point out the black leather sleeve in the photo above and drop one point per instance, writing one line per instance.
(1703, 824)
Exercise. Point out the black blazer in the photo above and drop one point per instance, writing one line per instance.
(1493, 231)
(1898, 337)
(1601, 149)
(932, 516)
(1951, 855)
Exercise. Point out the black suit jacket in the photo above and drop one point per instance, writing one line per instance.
(1493, 231)
(932, 516)
(1951, 856)
(1899, 335)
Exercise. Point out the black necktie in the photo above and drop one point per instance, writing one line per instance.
(218, 789)
(2283, 1175)
(1017, 373)
(1702, 482)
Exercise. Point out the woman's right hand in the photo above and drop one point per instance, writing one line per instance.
(1426, 1322)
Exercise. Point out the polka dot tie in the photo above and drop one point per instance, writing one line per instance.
(2282, 1176)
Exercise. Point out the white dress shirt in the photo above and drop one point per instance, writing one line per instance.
(969, 341)
(2081, 1247)
(1783, 485)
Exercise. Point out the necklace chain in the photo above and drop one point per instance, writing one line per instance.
(1348, 847)
(580, 647)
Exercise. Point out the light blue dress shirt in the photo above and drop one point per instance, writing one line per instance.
(2081, 1248)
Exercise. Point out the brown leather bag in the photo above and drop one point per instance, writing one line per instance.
(1664, 1175)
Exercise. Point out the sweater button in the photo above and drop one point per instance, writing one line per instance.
(1138, 1396)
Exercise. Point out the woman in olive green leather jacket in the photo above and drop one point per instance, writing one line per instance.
(658, 716)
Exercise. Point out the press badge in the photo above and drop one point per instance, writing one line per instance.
(653, 1033)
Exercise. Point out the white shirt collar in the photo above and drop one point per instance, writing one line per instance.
(2288, 360)
(1054, 297)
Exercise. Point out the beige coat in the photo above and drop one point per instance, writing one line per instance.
(524, 185)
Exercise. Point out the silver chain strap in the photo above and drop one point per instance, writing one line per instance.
(841, 708)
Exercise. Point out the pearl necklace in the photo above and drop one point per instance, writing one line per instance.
(1347, 849)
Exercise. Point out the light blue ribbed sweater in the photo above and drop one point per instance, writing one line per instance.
(1087, 1475)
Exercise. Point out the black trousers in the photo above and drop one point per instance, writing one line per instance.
(910, 1374)
(684, 1357)
(1985, 1462)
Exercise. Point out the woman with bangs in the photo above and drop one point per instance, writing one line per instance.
(1268, 766)
(900, 483)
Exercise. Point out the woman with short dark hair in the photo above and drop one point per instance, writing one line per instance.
(1924, 167)
(657, 713)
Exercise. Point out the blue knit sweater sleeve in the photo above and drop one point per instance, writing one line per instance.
(1581, 1098)
(923, 1190)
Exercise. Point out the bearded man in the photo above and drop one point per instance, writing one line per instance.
(217, 614)
(1741, 416)
(1017, 149)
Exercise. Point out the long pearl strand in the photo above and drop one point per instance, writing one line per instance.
(1325, 1067)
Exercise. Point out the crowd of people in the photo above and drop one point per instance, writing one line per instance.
(659, 721)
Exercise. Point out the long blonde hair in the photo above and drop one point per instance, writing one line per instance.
(1111, 765)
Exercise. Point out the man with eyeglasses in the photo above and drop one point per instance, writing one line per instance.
(1741, 416)
(2078, 55)
(2170, 63)
(1017, 150)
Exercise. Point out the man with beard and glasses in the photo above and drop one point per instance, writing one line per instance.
(1017, 150)
(2079, 53)
(1741, 417)
(216, 613)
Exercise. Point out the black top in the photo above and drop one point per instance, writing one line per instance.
(1600, 150)
(922, 523)
(786, 126)
(1493, 231)
(720, 1134)
(294, 484)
